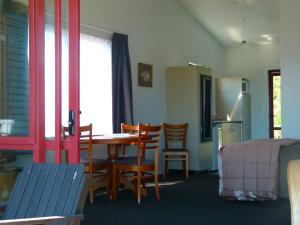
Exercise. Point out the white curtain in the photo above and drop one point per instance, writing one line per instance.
(95, 82)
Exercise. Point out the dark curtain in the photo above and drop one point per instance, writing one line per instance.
(121, 82)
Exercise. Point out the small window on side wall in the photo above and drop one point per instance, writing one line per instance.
(206, 103)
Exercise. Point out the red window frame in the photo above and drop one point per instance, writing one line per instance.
(35, 66)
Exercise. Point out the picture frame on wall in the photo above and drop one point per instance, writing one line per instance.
(145, 74)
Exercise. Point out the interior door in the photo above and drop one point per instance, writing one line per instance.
(22, 76)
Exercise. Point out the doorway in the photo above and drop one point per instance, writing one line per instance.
(274, 104)
(23, 25)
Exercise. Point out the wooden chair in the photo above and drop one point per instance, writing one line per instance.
(141, 167)
(293, 173)
(47, 194)
(95, 167)
(175, 134)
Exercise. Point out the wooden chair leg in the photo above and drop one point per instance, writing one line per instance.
(187, 166)
(167, 165)
(135, 185)
(108, 187)
(139, 187)
(114, 183)
(91, 190)
(143, 180)
(164, 165)
(183, 163)
(156, 186)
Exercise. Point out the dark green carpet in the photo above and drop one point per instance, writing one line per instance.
(191, 202)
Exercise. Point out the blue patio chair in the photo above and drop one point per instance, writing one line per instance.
(47, 194)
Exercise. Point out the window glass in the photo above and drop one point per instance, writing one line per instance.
(14, 80)
(11, 163)
(95, 82)
(277, 100)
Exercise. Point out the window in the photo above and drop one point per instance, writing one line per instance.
(14, 78)
(95, 82)
(275, 104)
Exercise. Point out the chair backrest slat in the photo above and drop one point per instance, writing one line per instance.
(47, 190)
(86, 133)
(85, 144)
(76, 185)
(54, 194)
(175, 133)
(28, 193)
(46, 199)
(149, 137)
(38, 191)
(17, 193)
(130, 129)
(64, 193)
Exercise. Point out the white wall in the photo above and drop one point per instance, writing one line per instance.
(290, 66)
(254, 63)
(161, 33)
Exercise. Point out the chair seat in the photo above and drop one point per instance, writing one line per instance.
(131, 157)
(95, 161)
(174, 150)
(133, 161)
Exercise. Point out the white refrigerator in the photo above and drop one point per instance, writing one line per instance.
(233, 119)
(233, 102)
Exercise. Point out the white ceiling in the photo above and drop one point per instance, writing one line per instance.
(224, 19)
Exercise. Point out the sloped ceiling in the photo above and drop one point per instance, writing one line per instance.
(224, 19)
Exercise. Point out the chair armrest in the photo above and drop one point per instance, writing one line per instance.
(42, 220)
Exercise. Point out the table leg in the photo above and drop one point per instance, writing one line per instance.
(128, 183)
(109, 172)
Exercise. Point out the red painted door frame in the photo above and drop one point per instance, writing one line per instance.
(58, 81)
(71, 144)
(36, 138)
(39, 64)
(74, 77)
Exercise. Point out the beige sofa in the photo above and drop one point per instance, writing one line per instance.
(286, 154)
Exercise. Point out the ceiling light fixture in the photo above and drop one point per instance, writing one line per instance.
(244, 43)
(244, 39)
(267, 36)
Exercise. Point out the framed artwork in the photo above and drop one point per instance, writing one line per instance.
(145, 75)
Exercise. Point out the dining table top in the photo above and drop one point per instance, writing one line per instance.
(116, 138)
